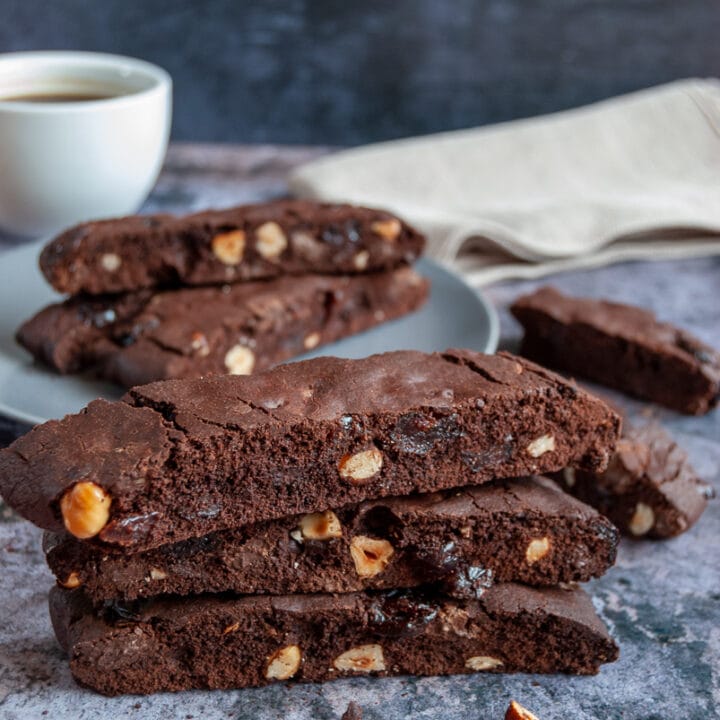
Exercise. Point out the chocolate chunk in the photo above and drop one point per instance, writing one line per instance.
(459, 540)
(353, 712)
(183, 458)
(621, 346)
(252, 242)
(141, 337)
(650, 489)
(227, 642)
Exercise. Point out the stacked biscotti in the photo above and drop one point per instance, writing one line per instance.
(223, 291)
(322, 519)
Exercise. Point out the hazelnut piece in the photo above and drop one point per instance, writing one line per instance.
(71, 581)
(239, 360)
(363, 659)
(199, 344)
(642, 520)
(387, 229)
(312, 340)
(361, 259)
(516, 711)
(361, 466)
(539, 447)
(482, 662)
(370, 555)
(110, 262)
(320, 526)
(271, 241)
(234, 627)
(157, 574)
(85, 509)
(283, 663)
(537, 549)
(229, 247)
(569, 476)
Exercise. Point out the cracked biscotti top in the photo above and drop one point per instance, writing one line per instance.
(248, 242)
(649, 489)
(183, 458)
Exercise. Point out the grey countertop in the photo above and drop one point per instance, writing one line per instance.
(661, 602)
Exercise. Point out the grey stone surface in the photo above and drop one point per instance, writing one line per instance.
(661, 601)
(318, 71)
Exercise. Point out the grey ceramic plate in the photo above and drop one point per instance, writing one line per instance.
(455, 316)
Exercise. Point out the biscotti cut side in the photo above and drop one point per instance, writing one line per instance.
(140, 337)
(621, 346)
(461, 541)
(650, 489)
(184, 458)
(252, 242)
(226, 642)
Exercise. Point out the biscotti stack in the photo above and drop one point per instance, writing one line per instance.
(322, 519)
(228, 291)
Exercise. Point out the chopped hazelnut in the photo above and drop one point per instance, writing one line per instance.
(320, 526)
(642, 520)
(271, 241)
(229, 247)
(370, 555)
(239, 360)
(537, 549)
(110, 262)
(539, 447)
(387, 229)
(361, 466)
(157, 574)
(516, 711)
(85, 509)
(71, 581)
(569, 476)
(363, 659)
(307, 246)
(199, 344)
(284, 663)
(361, 259)
(312, 340)
(482, 662)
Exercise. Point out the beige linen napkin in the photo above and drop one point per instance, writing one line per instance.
(636, 176)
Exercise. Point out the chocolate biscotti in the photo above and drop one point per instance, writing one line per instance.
(621, 346)
(525, 530)
(183, 458)
(650, 489)
(140, 337)
(226, 642)
(290, 237)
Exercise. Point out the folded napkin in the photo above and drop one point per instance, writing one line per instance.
(636, 176)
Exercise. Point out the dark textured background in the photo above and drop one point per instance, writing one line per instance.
(299, 71)
(347, 72)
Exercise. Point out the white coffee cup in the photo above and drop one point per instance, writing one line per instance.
(63, 162)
